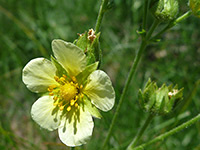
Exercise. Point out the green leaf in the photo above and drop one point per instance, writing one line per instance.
(91, 108)
(60, 70)
(82, 76)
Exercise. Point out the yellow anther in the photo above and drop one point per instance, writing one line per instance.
(55, 104)
(56, 78)
(81, 86)
(69, 108)
(51, 94)
(74, 78)
(72, 102)
(76, 105)
(76, 97)
(52, 86)
(76, 85)
(55, 98)
(82, 95)
(50, 90)
(64, 76)
(62, 107)
(72, 83)
(62, 79)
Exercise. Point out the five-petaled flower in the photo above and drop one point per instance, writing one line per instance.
(72, 92)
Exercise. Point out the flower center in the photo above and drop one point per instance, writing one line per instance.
(67, 94)
(68, 91)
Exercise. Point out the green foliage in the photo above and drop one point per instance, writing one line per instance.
(27, 29)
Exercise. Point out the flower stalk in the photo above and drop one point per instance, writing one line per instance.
(102, 10)
(172, 24)
(128, 81)
(140, 132)
(169, 133)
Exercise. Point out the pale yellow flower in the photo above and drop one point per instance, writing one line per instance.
(72, 90)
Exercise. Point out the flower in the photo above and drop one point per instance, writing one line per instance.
(73, 92)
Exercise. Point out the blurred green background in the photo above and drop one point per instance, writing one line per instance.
(27, 28)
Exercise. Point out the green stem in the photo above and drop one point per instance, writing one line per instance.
(154, 25)
(72, 148)
(140, 132)
(102, 10)
(128, 81)
(169, 133)
(172, 24)
(145, 11)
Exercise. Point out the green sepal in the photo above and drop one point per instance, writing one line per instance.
(161, 100)
(60, 70)
(160, 96)
(82, 76)
(82, 41)
(141, 99)
(164, 10)
(93, 51)
(91, 108)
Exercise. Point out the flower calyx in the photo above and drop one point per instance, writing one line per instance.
(164, 10)
(89, 43)
(161, 100)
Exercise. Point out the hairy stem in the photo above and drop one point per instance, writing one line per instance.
(169, 133)
(172, 24)
(128, 81)
(140, 132)
(102, 10)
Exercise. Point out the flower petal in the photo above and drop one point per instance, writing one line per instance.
(70, 56)
(91, 108)
(99, 89)
(45, 113)
(38, 74)
(76, 128)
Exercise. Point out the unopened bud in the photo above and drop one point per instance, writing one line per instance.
(164, 10)
(161, 100)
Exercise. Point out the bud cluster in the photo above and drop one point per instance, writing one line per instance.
(161, 100)
(164, 10)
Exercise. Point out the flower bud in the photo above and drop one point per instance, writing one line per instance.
(89, 43)
(195, 7)
(164, 10)
(161, 100)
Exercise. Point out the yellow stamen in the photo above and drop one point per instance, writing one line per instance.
(69, 108)
(56, 78)
(62, 79)
(72, 102)
(51, 94)
(82, 95)
(62, 107)
(64, 76)
(55, 98)
(74, 78)
(50, 90)
(81, 86)
(55, 104)
(76, 105)
(76, 97)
